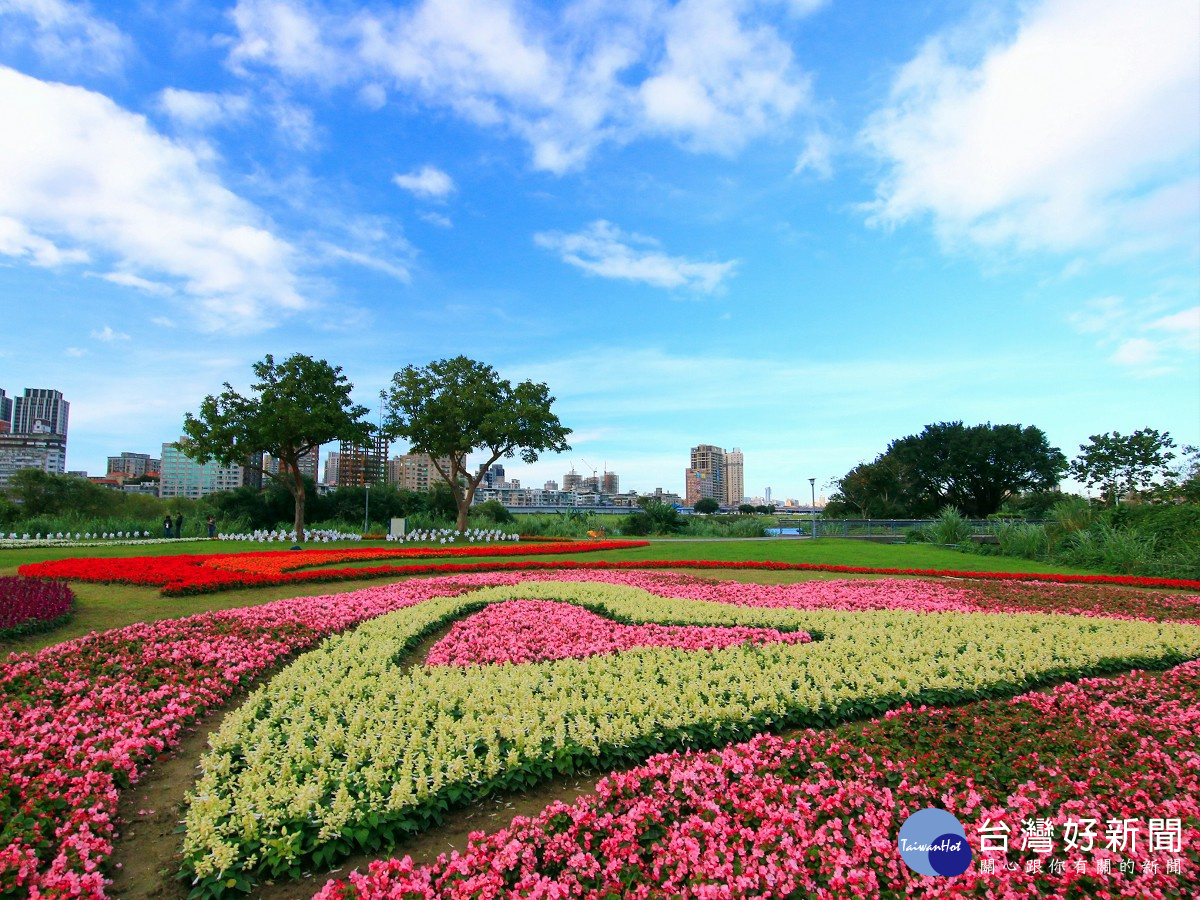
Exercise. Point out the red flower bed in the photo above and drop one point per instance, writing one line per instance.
(27, 605)
(202, 574)
(191, 574)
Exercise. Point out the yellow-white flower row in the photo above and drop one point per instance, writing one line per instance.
(355, 742)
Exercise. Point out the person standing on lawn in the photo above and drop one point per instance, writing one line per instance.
(179, 525)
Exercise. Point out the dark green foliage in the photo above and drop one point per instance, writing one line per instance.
(706, 506)
(300, 404)
(452, 407)
(973, 469)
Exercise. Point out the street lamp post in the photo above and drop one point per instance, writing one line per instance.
(812, 486)
(367, 510)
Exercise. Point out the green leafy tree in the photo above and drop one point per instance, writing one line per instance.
(298, 405)
(1120, 464)
(453, 407)
(871, 490)
(706, 506)
(746, 509)
(973, 469)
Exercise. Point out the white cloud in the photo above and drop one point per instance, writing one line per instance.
(603, 249)
(126, 279)
(436, 219)
(66, 34)
(199, 110)
(816, 156)
(1080, 128)
(709, 74)
(76, 352)
(83, 176)
(429, 182)
(1141, 336)
(107, 335)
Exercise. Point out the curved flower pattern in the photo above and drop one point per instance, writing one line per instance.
(522, 631)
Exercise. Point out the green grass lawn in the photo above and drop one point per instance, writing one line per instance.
(101, 606)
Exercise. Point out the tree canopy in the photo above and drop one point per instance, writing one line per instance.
(706, 505)
(451, 408)
(973, 469)
(299, 405)
(1121, 464)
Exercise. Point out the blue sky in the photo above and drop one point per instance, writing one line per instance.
(797, 227)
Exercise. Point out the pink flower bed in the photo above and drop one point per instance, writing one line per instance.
(819, 816)
(81, 720)
(523, 631)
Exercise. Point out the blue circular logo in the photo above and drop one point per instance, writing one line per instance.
(933, 842)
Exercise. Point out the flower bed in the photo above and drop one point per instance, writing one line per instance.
(201, 574)
(28, 605)
(521, 631)
(349, 749)
(818, 816)
(80, 721)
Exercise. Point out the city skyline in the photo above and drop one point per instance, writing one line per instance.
(801, 228)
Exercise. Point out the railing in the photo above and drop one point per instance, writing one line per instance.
(872, 527)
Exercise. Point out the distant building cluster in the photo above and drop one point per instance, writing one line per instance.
(33, 432)
(717, 474)
(33, 435)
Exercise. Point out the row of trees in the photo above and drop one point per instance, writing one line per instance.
(979, 469)
(447, 409)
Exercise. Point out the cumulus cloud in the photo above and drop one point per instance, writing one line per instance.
(1078, 127)
(603, 249)
(66, 34)
(86, 179)
(429, 182)
(708, 74)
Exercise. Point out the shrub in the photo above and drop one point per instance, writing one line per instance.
(1022, 539)
(949, 527)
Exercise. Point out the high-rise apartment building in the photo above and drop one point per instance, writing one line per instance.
(416, 471)
(572, 480)
(735, 481)
(706, 475)
(182, 476)
(36, 436)
(40, 411)
(309, 463)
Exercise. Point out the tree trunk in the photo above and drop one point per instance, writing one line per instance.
(298, 495)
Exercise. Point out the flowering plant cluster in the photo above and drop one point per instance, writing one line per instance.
(79, 721)
(199, 574)
(449, 535)
(349, 748)
(264, 536)
(521, 631)
(28, 605)
(818, 816)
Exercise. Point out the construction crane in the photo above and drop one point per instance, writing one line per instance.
(593, 468)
